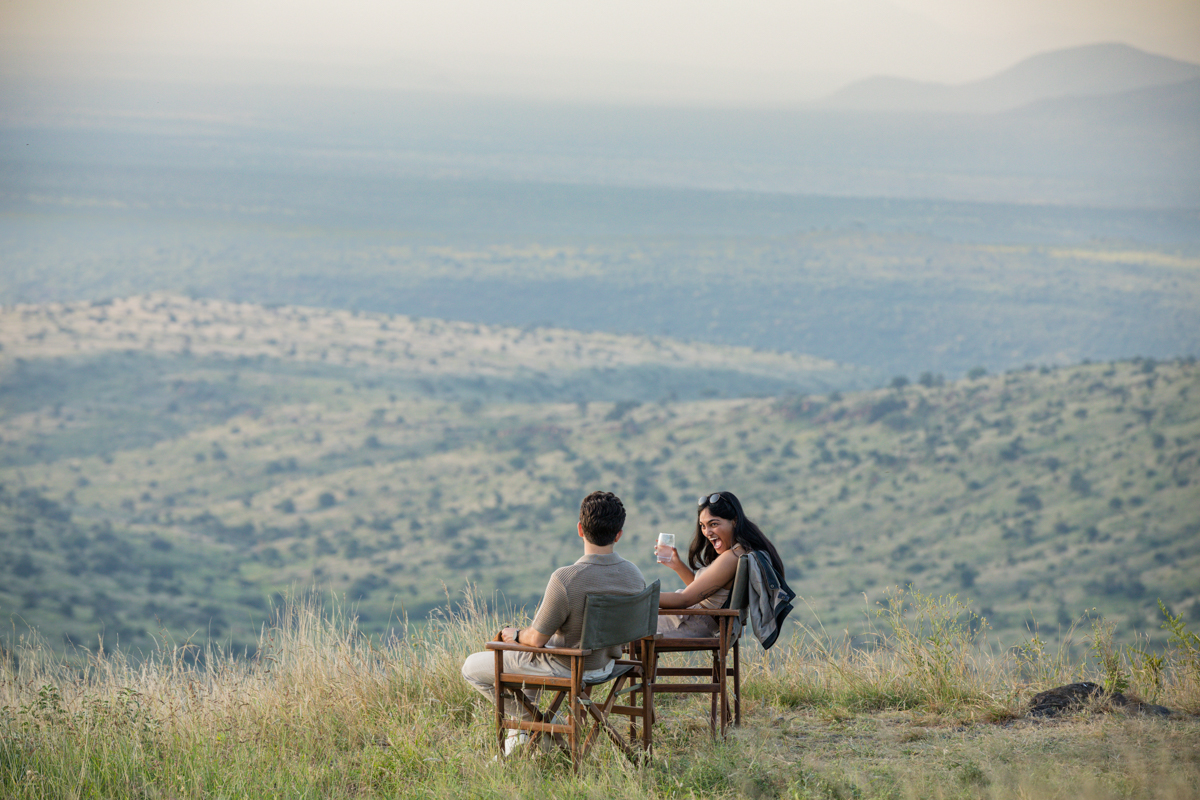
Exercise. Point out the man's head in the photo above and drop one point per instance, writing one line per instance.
(601, 517)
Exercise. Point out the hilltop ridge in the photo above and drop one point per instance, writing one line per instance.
(169, 324)
(1095, 70)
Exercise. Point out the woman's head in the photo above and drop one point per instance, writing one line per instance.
(717, 516)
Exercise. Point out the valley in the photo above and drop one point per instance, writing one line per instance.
(172, 467)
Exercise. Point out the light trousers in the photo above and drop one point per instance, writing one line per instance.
(479, 670)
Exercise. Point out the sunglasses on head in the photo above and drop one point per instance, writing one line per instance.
(715, 497)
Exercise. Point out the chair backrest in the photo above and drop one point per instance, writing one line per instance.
(739, 596)
(615, 619)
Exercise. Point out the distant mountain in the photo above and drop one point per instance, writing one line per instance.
(1088, 71)
(1163, 109)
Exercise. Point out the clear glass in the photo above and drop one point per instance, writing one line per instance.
(666, 542)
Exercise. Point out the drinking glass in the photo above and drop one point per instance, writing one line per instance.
(665, 540)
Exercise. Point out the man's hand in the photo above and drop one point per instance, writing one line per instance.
(509, 635)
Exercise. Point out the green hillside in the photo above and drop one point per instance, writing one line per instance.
(169, 465)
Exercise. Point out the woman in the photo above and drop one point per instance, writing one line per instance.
(723, 535)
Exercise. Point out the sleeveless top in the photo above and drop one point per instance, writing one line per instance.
(674, 626)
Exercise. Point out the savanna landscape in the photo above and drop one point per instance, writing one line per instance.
(253, 545)
(301, 387)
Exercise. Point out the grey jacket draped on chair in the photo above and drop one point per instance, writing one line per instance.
(770, 599)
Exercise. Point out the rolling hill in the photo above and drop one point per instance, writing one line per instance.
(171, 465)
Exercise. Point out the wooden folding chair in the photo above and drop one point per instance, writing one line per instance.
(608, 621)
(718, 646)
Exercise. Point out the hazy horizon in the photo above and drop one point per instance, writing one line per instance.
(669, 53)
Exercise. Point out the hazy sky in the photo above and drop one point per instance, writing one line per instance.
(640, 50)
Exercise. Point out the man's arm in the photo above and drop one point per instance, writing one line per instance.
(528, 636)
(551, 614)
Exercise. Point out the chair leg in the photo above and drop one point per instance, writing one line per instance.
(576, 711)
(651, 679)
(500, 732)
(639, 696)
(648, 698)
(712, 713)
(722, 674)
(601, 716)
(737, 687)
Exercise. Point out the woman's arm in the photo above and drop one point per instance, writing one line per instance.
(718, 575)
(680, 569)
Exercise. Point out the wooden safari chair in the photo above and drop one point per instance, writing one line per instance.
(608, 621)
(721, 672)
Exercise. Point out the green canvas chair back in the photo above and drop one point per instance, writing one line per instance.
(739, 596)
(611, 620)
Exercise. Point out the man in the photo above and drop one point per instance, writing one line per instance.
(559, 619)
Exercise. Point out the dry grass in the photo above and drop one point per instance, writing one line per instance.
(324, 711)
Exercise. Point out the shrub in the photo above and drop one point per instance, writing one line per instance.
(1029, 498)
(886, 406)
(1013, 450)
(24, 567)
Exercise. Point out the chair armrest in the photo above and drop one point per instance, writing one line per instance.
(698, 612)
(524, 648)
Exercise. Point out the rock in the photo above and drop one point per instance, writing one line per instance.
(1149, 708)
(1064, 698)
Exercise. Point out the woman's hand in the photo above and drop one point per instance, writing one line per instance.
(676, 564)
(662, 550)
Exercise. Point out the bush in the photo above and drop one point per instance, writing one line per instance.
(1029, 498)
(24, 567)
(886, 406)
(1013, 450)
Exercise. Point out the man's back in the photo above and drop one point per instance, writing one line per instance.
(559, 620)
(561, 613)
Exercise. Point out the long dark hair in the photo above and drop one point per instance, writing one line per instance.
(745, 533)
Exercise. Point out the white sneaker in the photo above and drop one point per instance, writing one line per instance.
(515, 740)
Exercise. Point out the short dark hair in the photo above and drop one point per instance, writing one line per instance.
(602, 516)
